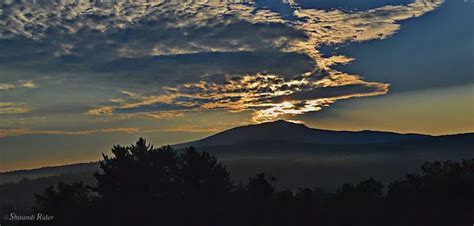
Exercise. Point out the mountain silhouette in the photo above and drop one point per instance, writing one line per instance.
(284, 136)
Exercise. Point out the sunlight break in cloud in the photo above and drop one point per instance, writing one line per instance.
(269, 96)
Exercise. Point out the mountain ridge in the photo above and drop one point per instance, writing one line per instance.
(284, 130)
(275, 136)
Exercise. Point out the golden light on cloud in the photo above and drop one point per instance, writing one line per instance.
(274, 111)
(13, 108)
(269, 97)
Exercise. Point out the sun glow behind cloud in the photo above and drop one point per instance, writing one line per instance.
(268, 96)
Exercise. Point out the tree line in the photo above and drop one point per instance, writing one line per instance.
(140, 185)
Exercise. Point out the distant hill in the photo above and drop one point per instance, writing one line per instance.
(288, 138)
(18, 196)
(17, 175)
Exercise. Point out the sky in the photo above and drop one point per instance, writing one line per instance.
(77, 77)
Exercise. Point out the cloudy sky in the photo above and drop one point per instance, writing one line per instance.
(78, 76)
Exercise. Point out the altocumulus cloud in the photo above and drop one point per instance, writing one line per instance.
(173, 57)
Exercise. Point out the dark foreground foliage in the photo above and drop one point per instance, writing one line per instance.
(143, 185)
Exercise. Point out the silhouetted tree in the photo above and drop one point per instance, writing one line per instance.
(260, 192)
(359, 204)
(134, 179)
(202, 174)
(442, 195)
(141, 185)
(137, 171)
(204, 185)
(67, 203)
(146, 184)
(309, 207)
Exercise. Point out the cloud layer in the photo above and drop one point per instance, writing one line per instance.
(164, 59)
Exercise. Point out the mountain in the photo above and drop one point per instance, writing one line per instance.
(297, 155)
(282, 136)
(292, 141)
(281, 130)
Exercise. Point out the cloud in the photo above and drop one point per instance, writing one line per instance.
(333, 27)
(28, 84)
(6, 86)
(25, 131)
(269, 96)
(11, 132)
(171, 28)
(13, 108)
(173, 58)
(155, 28)
(19, 84)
